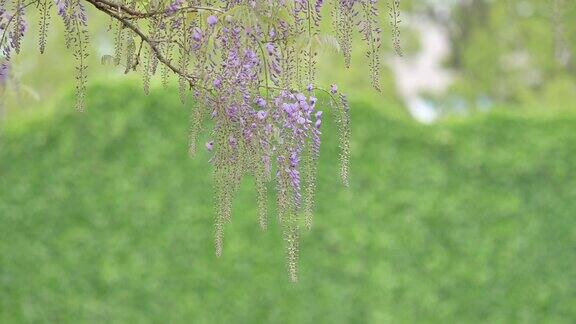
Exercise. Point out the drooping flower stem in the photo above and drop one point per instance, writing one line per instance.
(247, 69)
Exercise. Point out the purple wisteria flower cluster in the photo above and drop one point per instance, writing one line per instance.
(12, 28)
(248, 68)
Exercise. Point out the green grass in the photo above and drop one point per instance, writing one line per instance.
(104, 218)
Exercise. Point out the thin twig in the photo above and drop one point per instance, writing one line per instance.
(109, 11)
(139, 14)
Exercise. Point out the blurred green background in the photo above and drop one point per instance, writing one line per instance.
(466, 217)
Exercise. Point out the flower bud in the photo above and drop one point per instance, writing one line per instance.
(212, 20)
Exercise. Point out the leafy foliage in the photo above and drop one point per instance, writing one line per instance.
(106, 219)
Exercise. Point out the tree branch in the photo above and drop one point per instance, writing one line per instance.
(135, 14)
(104, 6)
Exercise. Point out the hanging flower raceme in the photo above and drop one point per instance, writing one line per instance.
(249, 68)
(4, 69)
(12, 29)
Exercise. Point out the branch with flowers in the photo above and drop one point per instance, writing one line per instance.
(248, 67)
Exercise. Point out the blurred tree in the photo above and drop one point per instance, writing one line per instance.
(507, 49)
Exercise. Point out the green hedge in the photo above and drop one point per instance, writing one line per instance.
(104, 218)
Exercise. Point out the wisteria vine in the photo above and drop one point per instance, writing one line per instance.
(248, 67)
